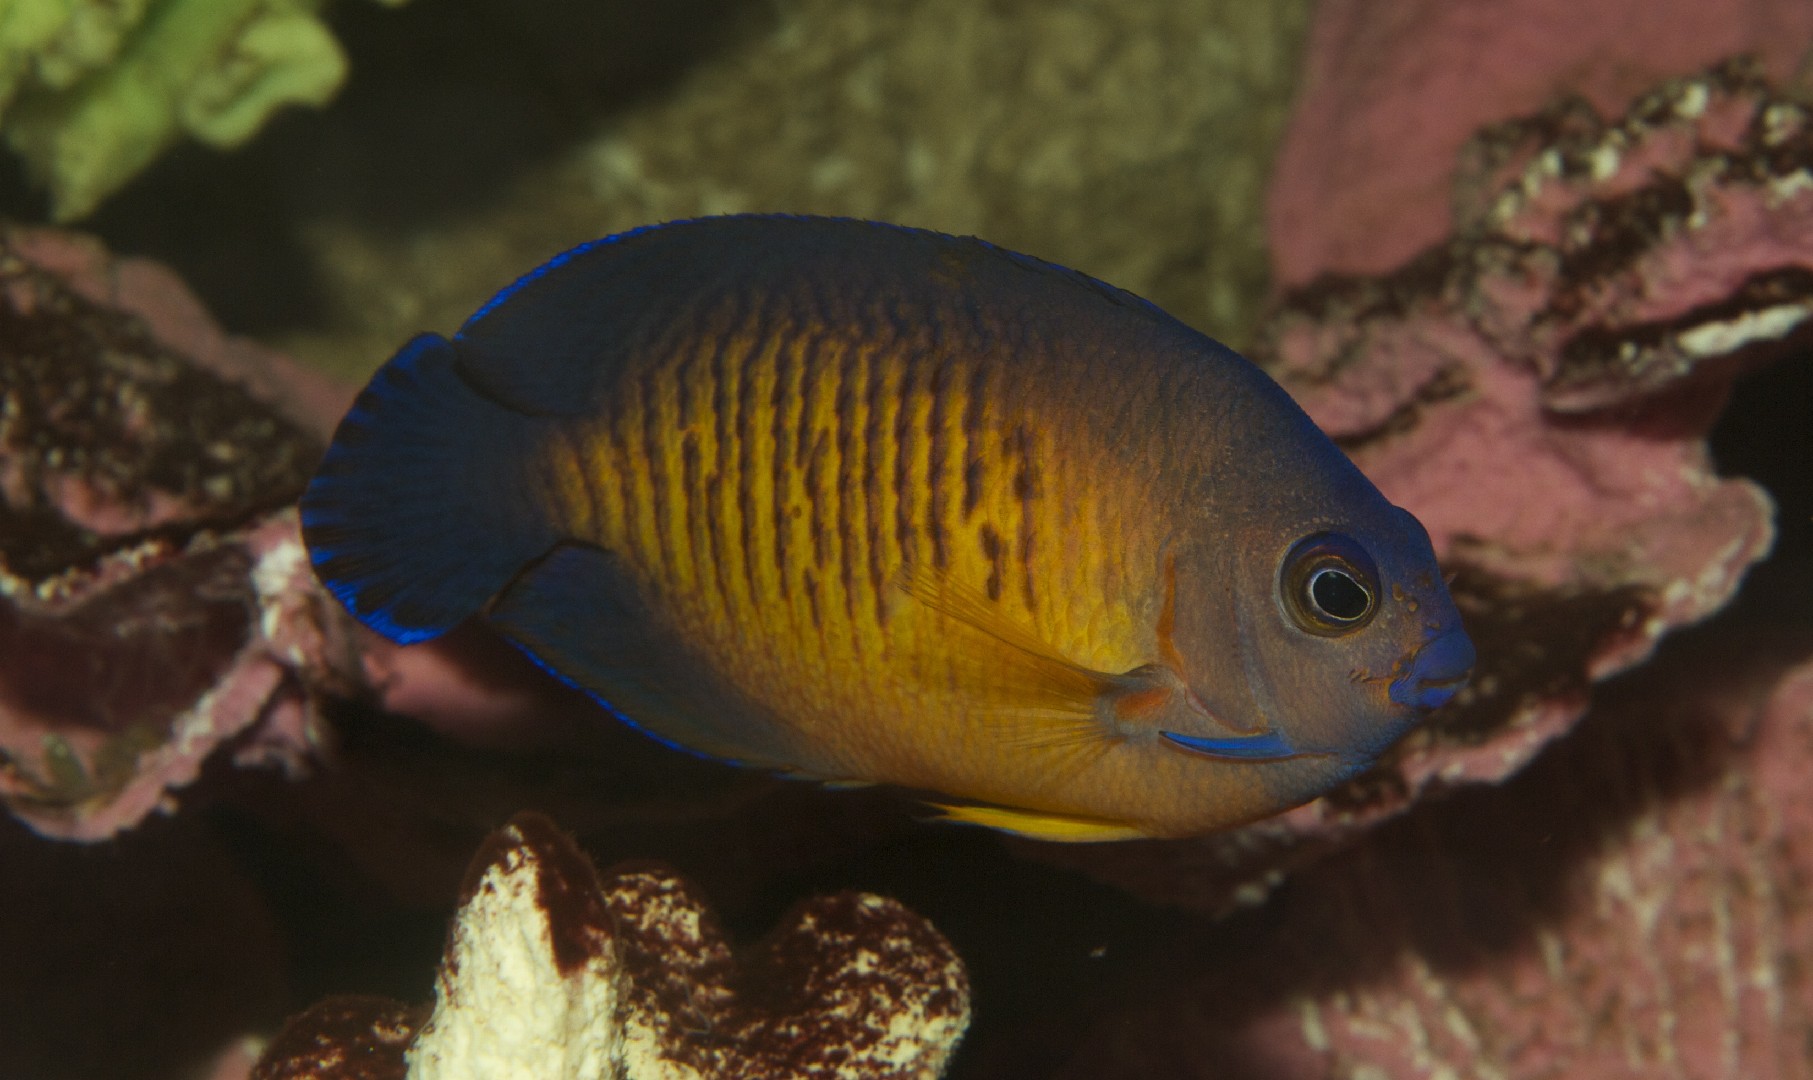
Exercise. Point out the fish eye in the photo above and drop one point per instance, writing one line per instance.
(1329, 585)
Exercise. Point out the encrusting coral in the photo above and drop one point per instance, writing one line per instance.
(91, 92)
(552, 973)
(1391, 90)
(155, 601)
(1627, 907)
(1609, 894)
(156, 604)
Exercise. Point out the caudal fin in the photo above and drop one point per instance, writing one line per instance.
(420, 512)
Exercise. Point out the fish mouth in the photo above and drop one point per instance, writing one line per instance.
(1437, 672)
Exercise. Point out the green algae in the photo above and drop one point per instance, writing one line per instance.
(91, 91)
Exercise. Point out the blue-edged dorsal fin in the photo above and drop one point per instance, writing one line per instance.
(580, 615)
(420, 511)
(555, 340)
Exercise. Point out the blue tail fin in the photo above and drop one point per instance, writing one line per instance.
(420, 512)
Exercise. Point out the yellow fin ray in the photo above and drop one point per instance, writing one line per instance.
(1040, 826)
(1063, 744)
(1021, 670)
(1033, 699)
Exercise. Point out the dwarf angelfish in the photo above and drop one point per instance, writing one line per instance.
(871, 504)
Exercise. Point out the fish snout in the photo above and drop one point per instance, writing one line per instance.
(1437, 671)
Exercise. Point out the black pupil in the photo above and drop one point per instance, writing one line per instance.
(1338, 595)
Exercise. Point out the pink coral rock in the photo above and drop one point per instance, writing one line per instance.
(1538, 391)
(1630, 906)
(1394, 88)
(552, 973)
(155, 600)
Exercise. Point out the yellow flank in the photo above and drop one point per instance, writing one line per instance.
(769, 482)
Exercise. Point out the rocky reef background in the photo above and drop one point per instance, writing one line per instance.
(473, 137)
(1553, 301)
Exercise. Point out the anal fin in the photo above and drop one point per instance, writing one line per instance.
(579, 614)
(1037, 825)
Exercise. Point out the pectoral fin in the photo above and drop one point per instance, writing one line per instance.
(1035, 697)
(1040, 826)
(1058, 682)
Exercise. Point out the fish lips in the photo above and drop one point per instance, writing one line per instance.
(1437, 672)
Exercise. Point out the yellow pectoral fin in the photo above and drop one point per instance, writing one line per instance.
(1033, 699)
(1002, 666)
(1040, 826)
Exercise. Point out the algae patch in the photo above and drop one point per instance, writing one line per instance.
(91, 91)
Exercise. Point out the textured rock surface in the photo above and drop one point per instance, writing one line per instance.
(155, 602)
(552, 973)
(1392, 91)
(1538, 392)
(158, 306)
(1631, 905)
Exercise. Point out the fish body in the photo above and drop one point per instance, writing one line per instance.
(872, 504)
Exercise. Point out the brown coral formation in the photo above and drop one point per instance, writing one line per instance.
(552, 972)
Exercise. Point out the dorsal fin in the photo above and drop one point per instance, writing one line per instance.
(551, 342)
